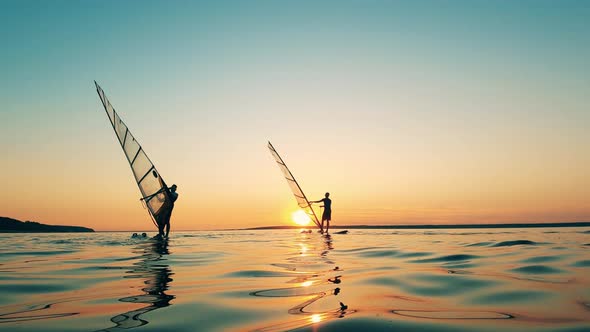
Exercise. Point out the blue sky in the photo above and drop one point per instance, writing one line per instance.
(420, 97)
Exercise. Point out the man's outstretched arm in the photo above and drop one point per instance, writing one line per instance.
(154, 194)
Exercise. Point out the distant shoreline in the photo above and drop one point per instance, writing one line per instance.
(10, 225)
(455, 226)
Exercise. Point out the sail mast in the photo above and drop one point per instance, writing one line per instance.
(302, 200)
(147, 177)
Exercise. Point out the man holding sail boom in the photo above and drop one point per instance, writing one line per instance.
(327, 215)
(163, 217)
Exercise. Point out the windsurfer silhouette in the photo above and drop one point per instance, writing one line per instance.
(327, 215)
(163, 218)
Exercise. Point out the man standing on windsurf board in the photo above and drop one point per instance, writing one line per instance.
(327, 215)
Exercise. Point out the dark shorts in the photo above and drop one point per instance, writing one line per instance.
(327, 215)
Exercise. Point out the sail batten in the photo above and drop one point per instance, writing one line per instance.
(302, 200)
(148, 179)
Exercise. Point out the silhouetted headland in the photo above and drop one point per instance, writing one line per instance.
(516, 225)
(9, 225)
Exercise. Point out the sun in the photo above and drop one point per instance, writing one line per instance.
(300, 218)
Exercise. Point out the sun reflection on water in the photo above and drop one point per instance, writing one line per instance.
(306, 283)
(315, 318)
(304, 249)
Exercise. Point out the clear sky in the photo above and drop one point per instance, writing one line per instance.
(407, 112)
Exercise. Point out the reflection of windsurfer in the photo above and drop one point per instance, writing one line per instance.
(336, 280)
(157, 276)
(330, 279)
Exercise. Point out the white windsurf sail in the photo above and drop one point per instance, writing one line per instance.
(147, 177)
(295, 188)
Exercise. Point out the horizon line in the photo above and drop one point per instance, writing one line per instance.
(389, 226)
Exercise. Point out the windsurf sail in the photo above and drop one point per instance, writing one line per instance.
(149, 181)
(295, 188)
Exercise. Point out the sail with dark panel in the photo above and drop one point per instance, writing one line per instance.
(147, 177)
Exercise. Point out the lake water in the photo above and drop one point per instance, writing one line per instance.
(405, 280)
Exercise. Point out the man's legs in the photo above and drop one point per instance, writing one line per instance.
(161, 228)
(166, 222)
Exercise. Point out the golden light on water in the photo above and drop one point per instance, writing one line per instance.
(300, 218)
(306, 283)
(315, 318)
(303, 249)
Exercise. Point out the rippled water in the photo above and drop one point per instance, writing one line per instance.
(451, 280)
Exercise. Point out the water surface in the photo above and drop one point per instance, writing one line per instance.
(407, 280)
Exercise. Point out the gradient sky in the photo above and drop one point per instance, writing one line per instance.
(407, 112)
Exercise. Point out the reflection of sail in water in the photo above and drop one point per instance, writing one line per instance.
(156, 275)
(320, 285)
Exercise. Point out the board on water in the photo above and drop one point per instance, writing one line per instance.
(148, 179)
(341, 232)
(302, 200)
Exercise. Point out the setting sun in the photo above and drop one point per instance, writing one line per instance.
(300, 218)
